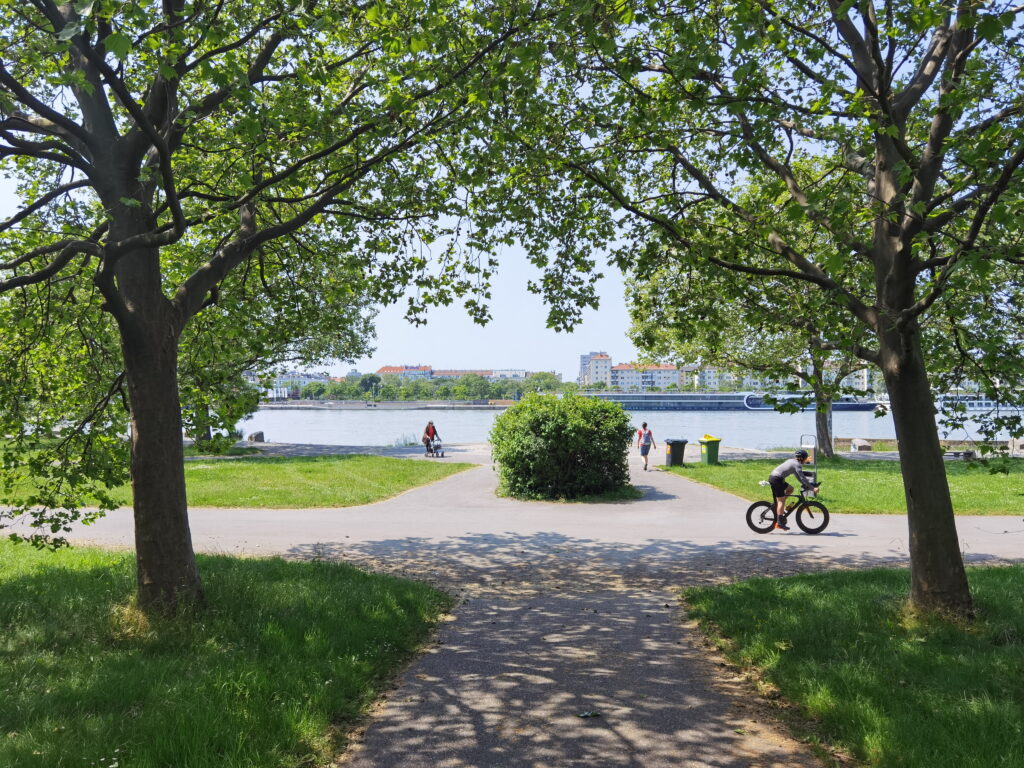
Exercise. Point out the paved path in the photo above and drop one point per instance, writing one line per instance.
(566, 608)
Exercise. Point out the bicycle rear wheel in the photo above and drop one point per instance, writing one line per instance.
(761, 517)
(812, 517)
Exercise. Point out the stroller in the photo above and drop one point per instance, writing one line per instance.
(435, 448)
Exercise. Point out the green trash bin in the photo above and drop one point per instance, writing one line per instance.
(674, 452)
(709, 449)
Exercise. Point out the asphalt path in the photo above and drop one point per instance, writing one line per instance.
(565, 609)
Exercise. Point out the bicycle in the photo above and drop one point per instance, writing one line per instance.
(811, 516)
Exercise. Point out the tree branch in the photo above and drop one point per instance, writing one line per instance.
(35, 206)
(69, 249)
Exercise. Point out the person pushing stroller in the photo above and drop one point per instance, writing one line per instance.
(431, 439)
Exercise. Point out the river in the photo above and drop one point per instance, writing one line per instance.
(371, 426)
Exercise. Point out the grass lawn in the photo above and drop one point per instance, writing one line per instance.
(874, 487)
(300, 482)
(889, 688)
(283, 659)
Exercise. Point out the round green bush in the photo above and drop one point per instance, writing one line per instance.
(547, 447)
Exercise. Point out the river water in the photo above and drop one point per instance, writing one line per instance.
(372, 426)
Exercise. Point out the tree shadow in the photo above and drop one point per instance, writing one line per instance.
(509, 680)
(552, 626)
(85, 672)
(509, 564)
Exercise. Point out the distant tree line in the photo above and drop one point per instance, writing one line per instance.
(371, 386)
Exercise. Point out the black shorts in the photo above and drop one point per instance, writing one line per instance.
(778, 486)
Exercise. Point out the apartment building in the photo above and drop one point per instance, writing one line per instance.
(598, 369)
(406, 371)
(428, 372)
(642, 378)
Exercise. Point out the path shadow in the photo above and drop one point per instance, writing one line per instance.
(508, 682)
(650, 493)
(520, 565)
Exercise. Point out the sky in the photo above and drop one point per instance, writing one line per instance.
(516, 337)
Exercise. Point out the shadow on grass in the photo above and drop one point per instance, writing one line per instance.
(283, 652)
(893, 688)
(556, 625)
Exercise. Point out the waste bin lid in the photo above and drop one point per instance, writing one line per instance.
(710, 439)
(671, 440)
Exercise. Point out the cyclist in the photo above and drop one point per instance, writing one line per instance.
(781, 489)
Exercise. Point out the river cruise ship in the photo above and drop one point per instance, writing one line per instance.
(709, 401)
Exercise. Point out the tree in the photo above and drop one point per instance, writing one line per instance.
(474, 386)
(542, 381)
(783, 331)
(915, 107)
(368, 381)
(341, 390)
(315, 390)
(177, 157)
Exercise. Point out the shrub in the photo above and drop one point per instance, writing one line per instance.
(548, 447)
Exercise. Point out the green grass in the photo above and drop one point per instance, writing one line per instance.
(874, 486)
(300, 482)
(285, 656)
(892, 689)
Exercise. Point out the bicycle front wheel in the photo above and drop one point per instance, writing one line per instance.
(812, 517)
(761, 517)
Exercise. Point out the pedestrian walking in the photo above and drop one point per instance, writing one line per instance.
(645, 441)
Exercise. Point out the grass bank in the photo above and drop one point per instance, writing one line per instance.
(304, 481)
(286, 655)
(891, 688)
(874, 486)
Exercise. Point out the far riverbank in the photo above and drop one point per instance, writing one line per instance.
(393, 405)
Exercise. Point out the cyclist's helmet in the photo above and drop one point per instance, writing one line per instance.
(801, 454)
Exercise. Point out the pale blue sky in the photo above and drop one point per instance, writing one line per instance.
(516, 337)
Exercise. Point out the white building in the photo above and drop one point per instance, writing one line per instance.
(516, 374)
(587, 371)
(406, 371)
(643, 377)
(599, 369)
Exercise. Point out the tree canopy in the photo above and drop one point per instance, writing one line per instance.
(224, 169)
(914, 114)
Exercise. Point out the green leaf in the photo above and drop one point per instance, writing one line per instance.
(118, 44)
(130, 202)
(417, 44)
(71, 29)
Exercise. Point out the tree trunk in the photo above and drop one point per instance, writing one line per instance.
(938, 579)
(149, 326)
(823, 424)
(166, 564)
